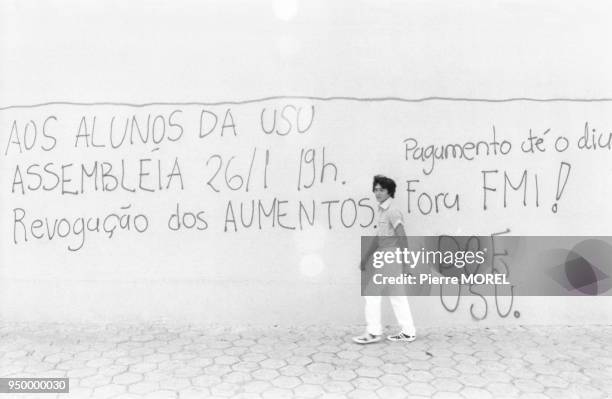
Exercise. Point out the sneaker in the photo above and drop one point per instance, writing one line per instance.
(367, 338)
(401, 337)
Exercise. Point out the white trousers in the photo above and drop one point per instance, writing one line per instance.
(401, 308)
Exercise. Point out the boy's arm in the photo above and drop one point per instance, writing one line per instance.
(400, 232)
(397, 221)
(369, 251)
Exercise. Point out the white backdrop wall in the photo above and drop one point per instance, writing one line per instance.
(354, 72)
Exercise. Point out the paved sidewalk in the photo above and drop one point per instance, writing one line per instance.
(163, 361)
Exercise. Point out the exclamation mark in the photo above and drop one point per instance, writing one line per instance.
(564, 171)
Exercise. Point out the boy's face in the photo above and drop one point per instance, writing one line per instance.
(380, 193)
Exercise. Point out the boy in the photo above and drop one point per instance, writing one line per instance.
(390, 234)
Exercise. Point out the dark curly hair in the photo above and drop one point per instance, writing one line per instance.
(385, 183)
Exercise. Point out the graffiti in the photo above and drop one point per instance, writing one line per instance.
(478, 310)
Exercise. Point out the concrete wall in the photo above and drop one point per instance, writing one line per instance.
(217, 58)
